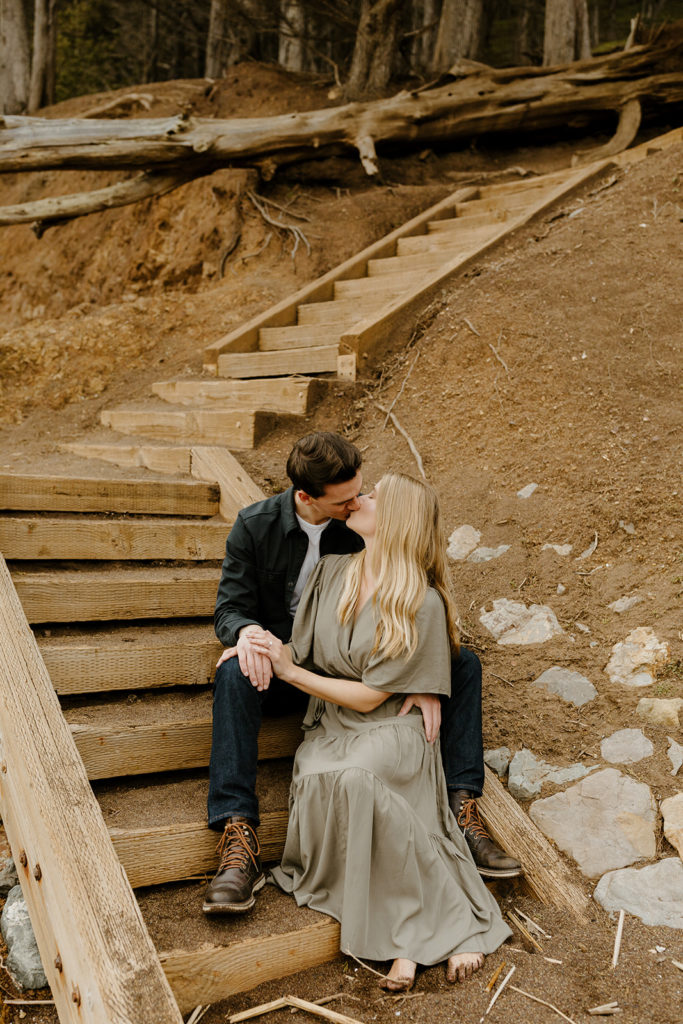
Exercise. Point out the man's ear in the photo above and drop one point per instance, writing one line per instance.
(304, 498)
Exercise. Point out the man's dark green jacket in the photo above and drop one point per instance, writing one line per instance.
(263, 557)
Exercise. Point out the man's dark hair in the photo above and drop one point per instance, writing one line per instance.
(322, 458)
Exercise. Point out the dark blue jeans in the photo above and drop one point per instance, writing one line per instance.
(238, 709)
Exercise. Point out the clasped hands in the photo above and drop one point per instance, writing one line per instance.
(260, 654)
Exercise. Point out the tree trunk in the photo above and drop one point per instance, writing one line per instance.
(14, 58)
(530, 33)
(231, 35)
(291, 48)
(373, 54)
(42, 61)
(460, 32)
(567, 33)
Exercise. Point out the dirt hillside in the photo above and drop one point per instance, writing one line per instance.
(555, 361)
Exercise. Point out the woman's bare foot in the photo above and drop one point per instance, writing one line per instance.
(462, 966)
(401, 976)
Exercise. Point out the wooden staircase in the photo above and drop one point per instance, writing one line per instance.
(279, 363)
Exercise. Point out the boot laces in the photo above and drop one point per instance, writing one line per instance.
(238, 845)
(470, 821)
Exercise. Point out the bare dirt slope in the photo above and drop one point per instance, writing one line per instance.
(556, 360)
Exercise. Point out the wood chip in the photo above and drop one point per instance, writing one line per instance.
(497, 992)
(544, 1003)
(605, 1010)
(617, 939)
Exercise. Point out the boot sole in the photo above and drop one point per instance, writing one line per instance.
(501, 873)
(235, 908)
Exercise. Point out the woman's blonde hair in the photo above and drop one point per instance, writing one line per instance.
(408, 556)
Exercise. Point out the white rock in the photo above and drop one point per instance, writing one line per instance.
(653, 893)
(624, 603)
(498, 759)
(590, 549)
(561, 589)
(627, 527)
(559, 549)
(23, 962)
(462, 541)
(626, 747)
(487, 554)
(571, 686)
(527, 491)
(660, 711)
(511, 622)
(675, 753)
(635, 661)
(606, 821)
(672, 812)
(527, 773)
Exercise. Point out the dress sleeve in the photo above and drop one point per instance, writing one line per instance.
(429, 668)
(303, 630)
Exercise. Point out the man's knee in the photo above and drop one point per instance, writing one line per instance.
(231, 683)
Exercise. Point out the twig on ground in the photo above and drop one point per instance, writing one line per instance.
(605, 1010)
(471, 326)
(295, 231)
(543, 1002)
(498, 355)
(197, 1014)
(497, 992)
(501, 678)
(496, 975)
(371, 969)
(524, 932)
(328, 999)
(617, 939)
(529, 920)
(400, 392)
(29, 1002)
(411, 443)
(678, 964)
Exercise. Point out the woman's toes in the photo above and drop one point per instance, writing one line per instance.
(462, 966)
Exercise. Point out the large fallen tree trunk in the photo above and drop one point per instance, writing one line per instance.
(472, 101)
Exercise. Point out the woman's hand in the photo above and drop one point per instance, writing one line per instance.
(278, 653)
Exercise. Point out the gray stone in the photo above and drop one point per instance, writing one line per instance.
(660, 711)
(653, 893)
(606, 821)
(559, 549)
(589, 550)
(23, 961)
(626, 747)
(498, 759)
(527, 491)
(462, 542)
(634, 662)
(571, 686)
(675, 753)
(624, 603)
(487, 554)
(628, 528)
(511, 622)
(527, 773)
(8, 875)
(672, 813)
(561, 589)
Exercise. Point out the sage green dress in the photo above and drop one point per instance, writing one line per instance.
(371, 840)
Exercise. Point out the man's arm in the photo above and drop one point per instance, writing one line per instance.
(430, 706)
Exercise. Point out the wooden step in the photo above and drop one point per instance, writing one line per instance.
(379, 291)
(89, 494)
(93, 593)
(492, 220)
(340, 311)
(160, 733)
(417, 265)
(129, 657)
(289, 395)
(510, 201)
(278, 339)
(158, 458)
(239, 429)
(459, 238)
(86, 537)
(322, 359)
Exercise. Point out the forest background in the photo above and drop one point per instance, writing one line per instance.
(52, 50)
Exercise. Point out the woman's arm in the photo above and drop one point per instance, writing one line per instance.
(348, 693)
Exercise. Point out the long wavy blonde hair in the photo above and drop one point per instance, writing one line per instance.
(408, 555)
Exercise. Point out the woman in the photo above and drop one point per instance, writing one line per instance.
(371, 840)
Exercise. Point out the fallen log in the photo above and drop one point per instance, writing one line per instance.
(469, 102)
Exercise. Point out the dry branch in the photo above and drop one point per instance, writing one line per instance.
(481, 101)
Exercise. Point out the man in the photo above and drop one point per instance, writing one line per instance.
(270, 553)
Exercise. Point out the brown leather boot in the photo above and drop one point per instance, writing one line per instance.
(491, 861)
(239, 873)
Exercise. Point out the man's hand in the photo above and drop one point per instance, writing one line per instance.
(430, 706)
(252, 663)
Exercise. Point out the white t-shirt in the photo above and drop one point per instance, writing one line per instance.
(313, 531)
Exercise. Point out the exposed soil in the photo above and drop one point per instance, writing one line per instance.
(556, 360)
